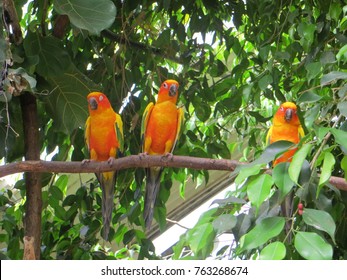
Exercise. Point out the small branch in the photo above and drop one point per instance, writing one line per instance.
(140, 46)
(177, 223)
(134, 161)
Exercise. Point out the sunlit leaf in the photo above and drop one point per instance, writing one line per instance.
(88, 14)
(273, 251)
(312, 247)
(259, 189)
(200, 239)
(328, 164)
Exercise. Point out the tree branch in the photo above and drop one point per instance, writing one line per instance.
(133, 161)
(140, 46)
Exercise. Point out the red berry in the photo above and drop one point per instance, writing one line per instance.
(300, 211)
(300, 206)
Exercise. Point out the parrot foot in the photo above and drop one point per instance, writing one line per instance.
(167, 157)
(111, 161)
(86, 161)
(143, 155)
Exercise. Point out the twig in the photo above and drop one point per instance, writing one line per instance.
(177, 223)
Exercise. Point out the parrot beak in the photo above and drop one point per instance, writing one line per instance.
(173, 90)
(288, 115)
(93, 103)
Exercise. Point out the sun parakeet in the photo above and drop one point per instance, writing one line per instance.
(104, 138)
(160, 129)
(286, 126)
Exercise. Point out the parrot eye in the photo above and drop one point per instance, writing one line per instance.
(165, 85)
(101, 98)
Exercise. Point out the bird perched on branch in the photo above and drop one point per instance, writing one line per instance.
(104, 138)
(286, 126)
(160, 130)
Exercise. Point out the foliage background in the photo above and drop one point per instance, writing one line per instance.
(235, 63)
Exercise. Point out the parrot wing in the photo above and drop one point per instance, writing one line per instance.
(145, 118)
(87, 132)
(268, 136)
(118, 127)
(180, 123)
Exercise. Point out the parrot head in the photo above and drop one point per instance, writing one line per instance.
(286, 113)
(168, 91)
(97, 102)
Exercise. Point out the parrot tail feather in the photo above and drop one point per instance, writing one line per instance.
(151, 193)
(107, 183)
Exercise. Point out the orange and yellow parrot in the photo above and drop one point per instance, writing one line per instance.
(286, 126)
(160, 129)
(104, 138)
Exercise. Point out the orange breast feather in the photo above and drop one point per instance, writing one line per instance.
(103, 141)
(162, 127)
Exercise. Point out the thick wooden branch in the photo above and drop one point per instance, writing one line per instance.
(133, 161)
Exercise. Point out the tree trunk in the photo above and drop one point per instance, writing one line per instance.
(33, 205)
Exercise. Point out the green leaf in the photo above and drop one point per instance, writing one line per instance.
(224, 223)
(247, 172)
(344, 165)
(67, 103)
(273, 251)
(91, 15)
(312, 247)
(340, 137)
(200, 239)
(308, 97)
(261, 233)
(320, 220)
(313, 70)
(265, 81)
(53, 58)
(259, 189)
(342, 106)
(332, 76)
(297, 162)
(281, 178)
(328, 164)
(342, 54)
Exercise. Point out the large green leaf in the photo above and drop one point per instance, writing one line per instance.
(67, 102)
(200, 239)
(273, 251)
(261, 233)
(52, 60)
(281, 178)
(259, 189)
(297, 162)
(328, 164)
(340, 137)
(224, 223)
(91, 15)
(333, 76)
(312, 247)
(320, 220)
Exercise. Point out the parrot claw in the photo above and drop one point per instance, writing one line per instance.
(167, 157)
(143, 155)
(111, 161)
(86, 161)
